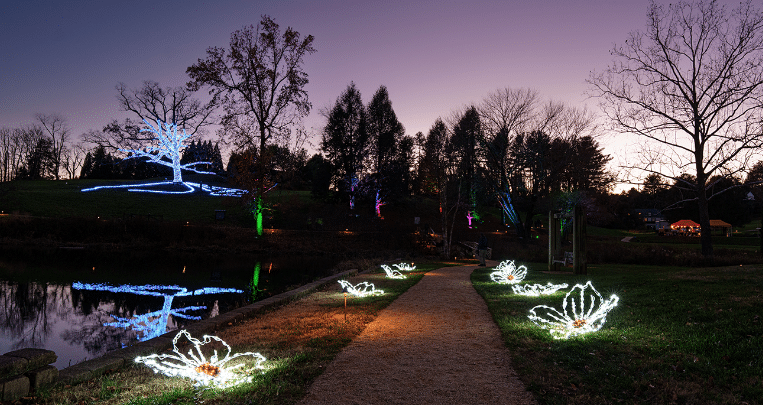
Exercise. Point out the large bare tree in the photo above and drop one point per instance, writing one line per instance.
(152, 103)
(691, 86)
(57, 129)
(261, 84)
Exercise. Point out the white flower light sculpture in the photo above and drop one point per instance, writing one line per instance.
(363, 289)
(583, 311)
(508, 273)
(405, 267)
(209, 373)
(536, 290)
(391, 273)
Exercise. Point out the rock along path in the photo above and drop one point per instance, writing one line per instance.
(436, 344)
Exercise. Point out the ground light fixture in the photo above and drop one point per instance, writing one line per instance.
(584, 310)
(362, 289)
(536, 290)
(392, 273)
(508, 273)
(205, 370)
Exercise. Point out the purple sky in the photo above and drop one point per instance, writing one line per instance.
(66, 57)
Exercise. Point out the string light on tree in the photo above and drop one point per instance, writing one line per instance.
(508, 273)
(206, 370)
(167, 152)
(583, 311)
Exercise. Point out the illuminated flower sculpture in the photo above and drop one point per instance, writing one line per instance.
(391, 273)
(209, 372)
(363, 289)
(583, 311)
(535, 290)
(508, 273)
(405, 267)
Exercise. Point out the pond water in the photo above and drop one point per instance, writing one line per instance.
(82, 304)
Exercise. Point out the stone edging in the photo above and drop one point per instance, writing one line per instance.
(114, 360)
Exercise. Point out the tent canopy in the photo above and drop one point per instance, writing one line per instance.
(684, 223)
(719, 223)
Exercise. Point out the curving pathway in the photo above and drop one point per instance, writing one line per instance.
(436, 344)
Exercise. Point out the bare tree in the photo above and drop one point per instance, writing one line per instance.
(691, 86)
(152, 103)
(57, 130)
(73, 159)
(261, 84)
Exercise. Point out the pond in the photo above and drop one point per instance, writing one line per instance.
(82, 304)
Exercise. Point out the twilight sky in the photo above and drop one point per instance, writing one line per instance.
(66, 57)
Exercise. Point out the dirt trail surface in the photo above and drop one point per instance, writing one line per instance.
(435, 344)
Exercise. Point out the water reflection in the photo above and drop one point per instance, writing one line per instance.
(40, 308)
(154, 323)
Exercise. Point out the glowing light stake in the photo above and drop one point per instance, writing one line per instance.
(353, 183)
(205, 372)
(536, 290)
(379, 203)
(363, 289)
(583, 311)
(391, 273)
(507, 273)
(153, 324)
(405, 267)
(504, 199)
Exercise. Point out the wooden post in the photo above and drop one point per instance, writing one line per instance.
(554, 240)
(579, 263)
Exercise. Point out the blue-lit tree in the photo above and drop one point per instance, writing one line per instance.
(168, 149)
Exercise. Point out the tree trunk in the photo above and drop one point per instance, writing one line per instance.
(704, 219)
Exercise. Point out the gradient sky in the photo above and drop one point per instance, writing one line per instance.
(66, 57)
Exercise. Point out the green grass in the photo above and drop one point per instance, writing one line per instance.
(63, 199)
(678, 335)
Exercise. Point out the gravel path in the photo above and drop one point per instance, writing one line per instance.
(436, 344)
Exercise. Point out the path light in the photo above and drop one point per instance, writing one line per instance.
(205, 372)
(508, 273)
(363, 289)
(536, 290)
(391, 273)
(583, 311)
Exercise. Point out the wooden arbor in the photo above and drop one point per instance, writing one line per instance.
(555, 253)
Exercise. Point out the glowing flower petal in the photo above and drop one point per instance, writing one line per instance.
(360, 290)
(391, 273)
(508, 273)
(405, 267)
(205, 372)
(535, 290)
(583, 311)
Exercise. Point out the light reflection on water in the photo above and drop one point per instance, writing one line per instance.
(39, 308)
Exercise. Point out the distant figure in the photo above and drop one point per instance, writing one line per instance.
(482, 249)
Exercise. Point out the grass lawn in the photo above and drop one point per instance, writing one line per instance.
(678, 335)
(296, 355)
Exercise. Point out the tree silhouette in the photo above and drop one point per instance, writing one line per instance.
(690, 86)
